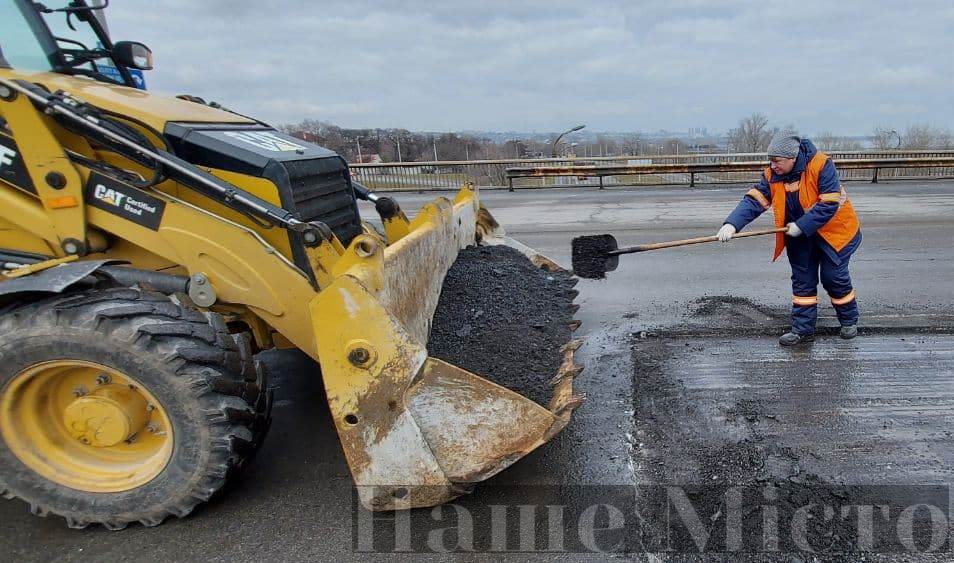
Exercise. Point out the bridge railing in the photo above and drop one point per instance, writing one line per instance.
(663, 170)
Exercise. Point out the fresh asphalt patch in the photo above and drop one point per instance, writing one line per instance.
(746, 431)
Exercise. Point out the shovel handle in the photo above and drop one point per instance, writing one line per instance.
(688, 241)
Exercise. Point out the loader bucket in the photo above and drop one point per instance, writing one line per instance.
(416, 430)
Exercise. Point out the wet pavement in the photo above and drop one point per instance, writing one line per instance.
(700, 322)
(875, 410)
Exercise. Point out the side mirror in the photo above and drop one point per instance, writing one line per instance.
(133, 54)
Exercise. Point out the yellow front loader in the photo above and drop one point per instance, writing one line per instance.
(150, 246)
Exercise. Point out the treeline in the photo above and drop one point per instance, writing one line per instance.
(754, 132)
(752, 135)
(401, 145)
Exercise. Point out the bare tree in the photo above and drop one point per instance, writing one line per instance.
(918, 136)
(752, 135)
(945, 140)
(828, 141)
(884, 138)
(631, 145)
(825, 140)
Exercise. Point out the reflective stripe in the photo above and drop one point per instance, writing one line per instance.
(838, 232)
(755, 194)
(840, 198)
(805, 300)
(843, 300)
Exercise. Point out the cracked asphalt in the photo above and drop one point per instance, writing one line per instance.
(681, 367)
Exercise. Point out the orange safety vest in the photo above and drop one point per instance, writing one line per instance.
(837, 232)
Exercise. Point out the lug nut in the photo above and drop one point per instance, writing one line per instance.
(103, 379)
(79, 391)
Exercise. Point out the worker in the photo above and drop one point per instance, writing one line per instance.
(801, 186)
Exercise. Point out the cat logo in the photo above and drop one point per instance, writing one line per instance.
(124, 201)
(265, 140)
(109, 195)
(6, 156)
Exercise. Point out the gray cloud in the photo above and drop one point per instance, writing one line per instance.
(615, 65)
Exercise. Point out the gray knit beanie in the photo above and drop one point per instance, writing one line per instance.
(785, 144)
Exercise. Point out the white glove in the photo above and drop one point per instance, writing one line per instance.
(793, 230)
(726, 232)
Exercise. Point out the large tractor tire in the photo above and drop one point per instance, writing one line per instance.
(123, 405)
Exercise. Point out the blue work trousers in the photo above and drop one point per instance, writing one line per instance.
(811, 262)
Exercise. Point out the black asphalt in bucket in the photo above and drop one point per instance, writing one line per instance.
(504, 319)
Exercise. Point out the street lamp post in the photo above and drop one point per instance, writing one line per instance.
(553, 151)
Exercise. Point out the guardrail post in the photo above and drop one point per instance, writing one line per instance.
(510, 179)
(601, 181)
(692, 179)
(874, 177)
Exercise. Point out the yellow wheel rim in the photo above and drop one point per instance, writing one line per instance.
(85, 426)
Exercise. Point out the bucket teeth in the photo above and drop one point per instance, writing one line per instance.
(571, 373)
(569, 405)
(571, 346)
(564, 400)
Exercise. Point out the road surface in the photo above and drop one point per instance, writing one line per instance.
(683, 382)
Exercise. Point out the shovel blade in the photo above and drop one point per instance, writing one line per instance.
(590, 256)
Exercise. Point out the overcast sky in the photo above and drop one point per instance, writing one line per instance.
(843, 66)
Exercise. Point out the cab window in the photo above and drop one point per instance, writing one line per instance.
(19, 47)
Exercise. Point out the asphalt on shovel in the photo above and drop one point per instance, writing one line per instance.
(594, 255)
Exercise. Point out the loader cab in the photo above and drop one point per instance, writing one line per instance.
(66, 37)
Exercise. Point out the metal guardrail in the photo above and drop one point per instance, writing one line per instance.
(449, 175)
(694, 168)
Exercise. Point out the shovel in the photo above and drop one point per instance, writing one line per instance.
(594, 255)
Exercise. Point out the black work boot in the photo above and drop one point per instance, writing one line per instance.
(794, 339)
(848, 332)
